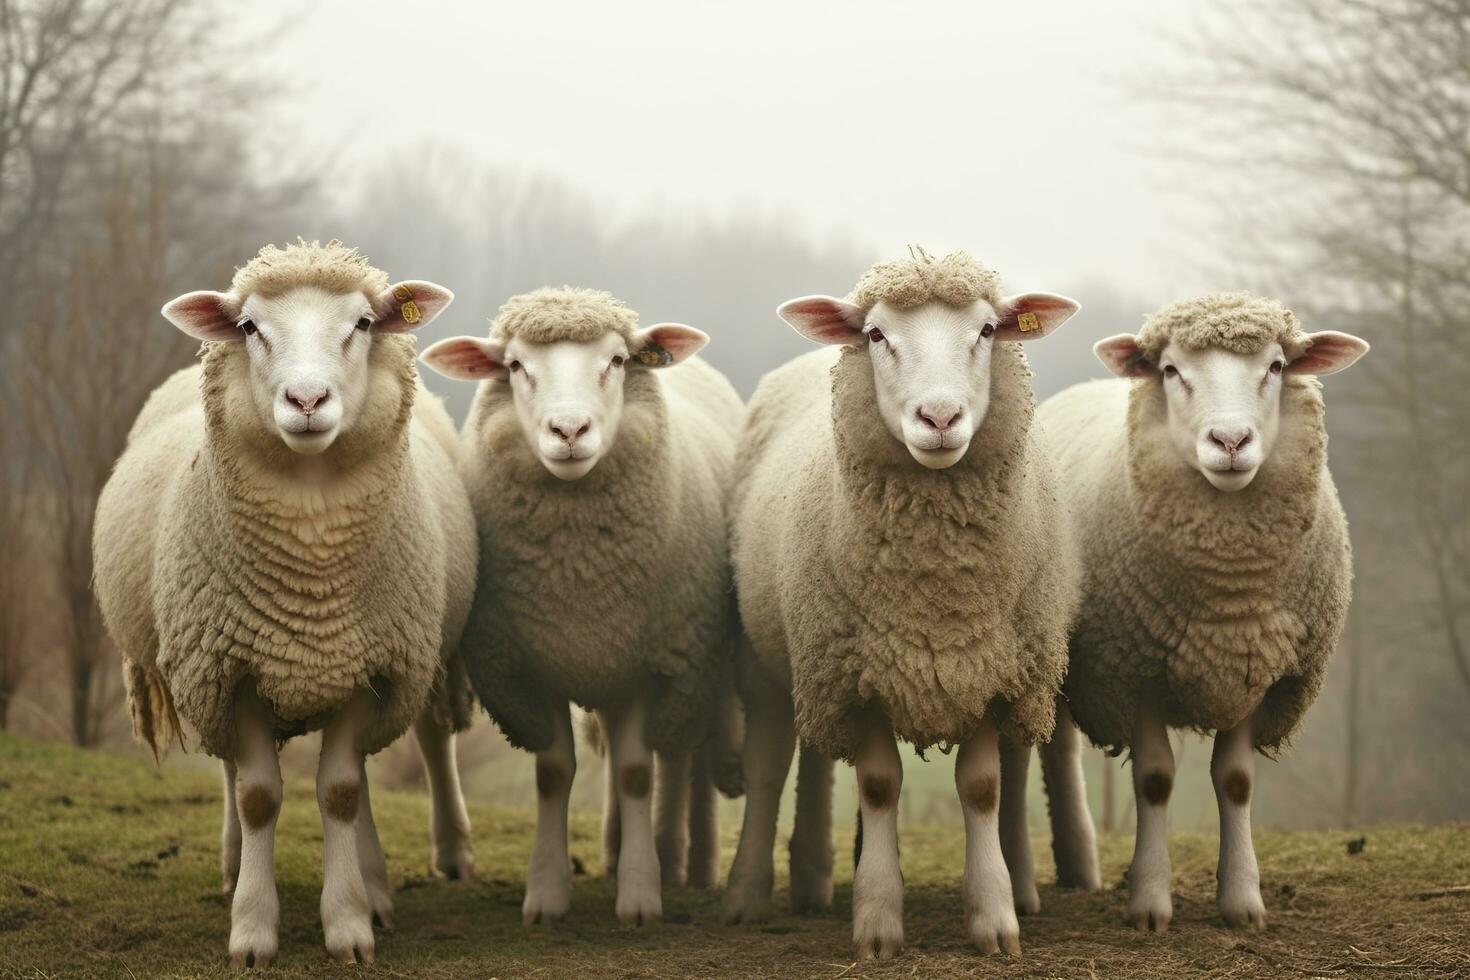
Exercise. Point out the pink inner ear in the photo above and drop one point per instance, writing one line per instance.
(1327, 354)
(820, 320)
(463, 357)
(202, 315)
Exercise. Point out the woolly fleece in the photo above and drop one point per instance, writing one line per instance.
(956, 280)
(548, 315)
(617, 584)
(1207, 603)
(210, 569)
(939, 597)
(1242, 323)
(332, 267)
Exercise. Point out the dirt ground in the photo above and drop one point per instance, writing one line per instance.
(109, 868)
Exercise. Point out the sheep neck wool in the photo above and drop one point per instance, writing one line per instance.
(295, 569)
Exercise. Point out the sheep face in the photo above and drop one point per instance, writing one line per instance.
(568, 395)
(1223, 407)
(308, 349)
(931, 363)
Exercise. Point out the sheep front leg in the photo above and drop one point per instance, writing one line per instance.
(612, 828)
(1238, 879)
(1150, 906)
(639, 900)
(1015, 829)
(449, 827)
(704, 824)
(346, 910)
(255, 911)
(1073, 839)
(990, 908)
(672, 771)
(770, 739)
(811, 834)
(370, 858)
(229, 845)
(549, 879)
(877, 884)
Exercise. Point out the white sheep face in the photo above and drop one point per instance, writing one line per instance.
(931, 363)
(308, 350)
(568, 395)
(1224, 408)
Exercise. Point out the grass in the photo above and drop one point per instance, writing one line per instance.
(109, 868)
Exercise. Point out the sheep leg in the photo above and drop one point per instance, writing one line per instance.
(255, 910)
(1150, 906)
(1073, 839)
(703, 858)
(229, 845)
(770, 739)
(1238, 880)
(449, 827)
(1015, 828)
(370, 858)
(549, 878)
(347, 915)
(990, 907)
(672, 772)
(639, 900)
(811, 836)
(877, 884)
(612, 827)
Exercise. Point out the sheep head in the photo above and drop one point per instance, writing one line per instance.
(929, 327)
(1222, 361)
(306, 316)
(567, 355)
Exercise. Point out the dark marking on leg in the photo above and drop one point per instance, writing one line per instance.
(1157, 786)
(1238, 787)
(878, 791)
(636, 780)
(551, 779)
(982, 795)
(340, 803)
(257, 806)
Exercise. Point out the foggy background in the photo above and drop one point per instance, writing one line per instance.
(707, 161)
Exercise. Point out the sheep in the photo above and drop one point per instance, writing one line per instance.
(1216, 564)
(908, 579)
(598, 458)
(285, 546)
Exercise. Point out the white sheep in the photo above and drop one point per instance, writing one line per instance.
(598, 458)
(1216, 564)
(286, 546)
(903, 571)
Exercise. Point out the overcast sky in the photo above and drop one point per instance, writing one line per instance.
(1006, 129)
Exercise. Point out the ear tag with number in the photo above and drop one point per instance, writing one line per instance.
(1027, 322)
(654, 356)
(407, 307)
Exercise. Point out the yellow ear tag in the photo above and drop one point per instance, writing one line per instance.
(407, 307)
(1027, 322)
(654, 356)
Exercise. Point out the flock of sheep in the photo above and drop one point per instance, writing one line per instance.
(890, 541)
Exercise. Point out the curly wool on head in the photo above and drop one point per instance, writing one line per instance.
(955, 280)
(566, 313)
(1240, 322)
(333, 267)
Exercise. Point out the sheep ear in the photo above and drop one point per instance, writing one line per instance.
(1328, 352)
(1031, 316)
(664, 344)
(1121, 356)
(824, 319)
(467, 358)
(204, 315)
(409, 305)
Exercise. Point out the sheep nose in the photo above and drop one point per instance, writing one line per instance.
(307, 398)
(569, 428)
(939, 419)
(1231, 440)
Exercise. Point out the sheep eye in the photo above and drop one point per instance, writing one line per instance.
(1170, 371)
(248, 327)
(875, 336)
(515, 365)
(364, 323)
(987, 330)
(617, 360)
(1276, 367)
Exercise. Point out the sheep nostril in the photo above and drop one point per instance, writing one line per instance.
(583, 430)
(307, 402)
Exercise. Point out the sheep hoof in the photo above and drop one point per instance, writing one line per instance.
(253, 932)
(811, 891)
(544, 906)
(1241, 907)
(455, 863)
(1028, 902)
(639, 901)
(878, 941)
(1150, 919)
(351, 942)
(747, 901)
(994, 933)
